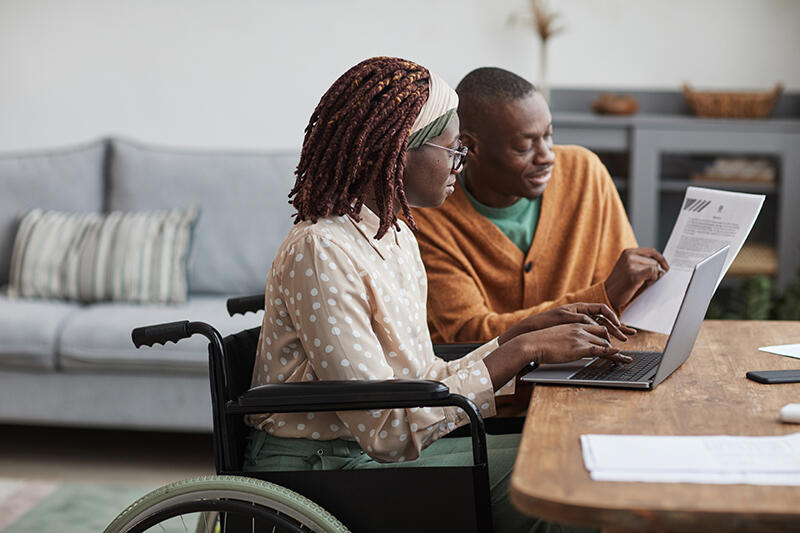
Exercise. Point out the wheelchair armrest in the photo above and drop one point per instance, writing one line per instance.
(344, 395)
(360, 395)
(455, 350)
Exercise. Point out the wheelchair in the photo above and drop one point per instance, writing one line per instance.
(385, 500)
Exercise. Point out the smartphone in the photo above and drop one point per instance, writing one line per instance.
(774, 376)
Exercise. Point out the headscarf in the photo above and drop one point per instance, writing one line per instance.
(435, 113)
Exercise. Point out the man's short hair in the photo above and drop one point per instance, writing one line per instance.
(490, 83)
(486, 85)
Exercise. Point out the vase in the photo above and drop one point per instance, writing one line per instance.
(544, 86)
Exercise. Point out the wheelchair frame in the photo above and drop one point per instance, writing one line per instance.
(404, 499)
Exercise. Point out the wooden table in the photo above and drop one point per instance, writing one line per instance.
(708, 395)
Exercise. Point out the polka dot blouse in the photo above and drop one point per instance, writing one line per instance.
(341, 305)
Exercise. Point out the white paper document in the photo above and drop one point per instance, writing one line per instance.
(708, 220)
(718, 459)
(789, 350)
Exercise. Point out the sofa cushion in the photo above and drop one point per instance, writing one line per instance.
(98, 337)
(91, 257)
(29, 331)
(67, 179)
(243, 200)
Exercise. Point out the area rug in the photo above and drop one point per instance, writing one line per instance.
(31, 506)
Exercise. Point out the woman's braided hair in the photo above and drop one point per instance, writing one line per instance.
(357, 137)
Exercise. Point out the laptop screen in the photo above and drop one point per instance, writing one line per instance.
(690, 315)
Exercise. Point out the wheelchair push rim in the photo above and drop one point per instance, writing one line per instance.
(210, 494)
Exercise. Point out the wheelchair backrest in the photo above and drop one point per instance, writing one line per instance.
(231, 374)
(239, 358)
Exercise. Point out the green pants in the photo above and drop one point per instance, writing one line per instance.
(265, 453)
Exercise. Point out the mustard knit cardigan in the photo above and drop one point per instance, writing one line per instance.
(480, 283)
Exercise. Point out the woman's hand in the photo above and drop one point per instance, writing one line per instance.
(576, 313)
(557, 344)
(568, 342)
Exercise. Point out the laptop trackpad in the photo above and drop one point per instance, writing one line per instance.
(559, 371)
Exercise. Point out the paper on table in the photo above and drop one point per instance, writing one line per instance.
(703, 459)
(727, 478)
(789, 350)
(708, 220)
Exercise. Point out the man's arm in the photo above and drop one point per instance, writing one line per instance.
(617, 233)
(627, 269)
(457, 307)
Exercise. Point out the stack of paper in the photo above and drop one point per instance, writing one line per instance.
(720, 459)
(708, 220)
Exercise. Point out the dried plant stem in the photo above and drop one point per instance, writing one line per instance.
(544, 86)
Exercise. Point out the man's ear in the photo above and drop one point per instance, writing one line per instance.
(469, 140)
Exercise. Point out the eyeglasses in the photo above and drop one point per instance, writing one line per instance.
(459, 155)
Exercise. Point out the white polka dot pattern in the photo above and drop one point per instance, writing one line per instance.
(359, 308)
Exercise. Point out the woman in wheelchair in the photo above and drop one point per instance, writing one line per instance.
(346, 294)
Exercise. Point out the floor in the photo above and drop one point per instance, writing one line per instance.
(120, 457)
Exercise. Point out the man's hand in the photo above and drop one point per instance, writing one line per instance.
(636, 269)
(576, 313)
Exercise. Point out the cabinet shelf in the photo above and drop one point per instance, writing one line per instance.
(677, 185)
(653, 156)
(754, 259)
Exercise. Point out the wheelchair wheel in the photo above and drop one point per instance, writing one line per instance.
(224, 504)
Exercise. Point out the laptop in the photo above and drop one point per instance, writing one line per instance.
(648, 369)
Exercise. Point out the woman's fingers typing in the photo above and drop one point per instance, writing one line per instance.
(598, 331)
(601, 345)
(568, 342)
(612, 354)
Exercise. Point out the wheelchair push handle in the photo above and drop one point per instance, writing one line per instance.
(245, 304)
(160, 333)
(175, 331)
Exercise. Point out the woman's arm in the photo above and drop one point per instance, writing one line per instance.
(335, 311)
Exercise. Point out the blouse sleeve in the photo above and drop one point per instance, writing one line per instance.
(330, 305)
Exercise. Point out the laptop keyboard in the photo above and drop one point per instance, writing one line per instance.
(605, 370)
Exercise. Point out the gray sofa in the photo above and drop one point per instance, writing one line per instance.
(62, 363)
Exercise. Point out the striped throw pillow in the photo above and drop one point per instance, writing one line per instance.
(93, 257)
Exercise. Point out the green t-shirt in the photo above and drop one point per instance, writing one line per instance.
(517, 221)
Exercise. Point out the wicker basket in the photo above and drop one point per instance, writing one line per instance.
(752, 104)
(612, 104)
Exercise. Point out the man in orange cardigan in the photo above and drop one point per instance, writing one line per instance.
(530, 226)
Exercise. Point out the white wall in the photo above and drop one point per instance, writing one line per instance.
(247, 73)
